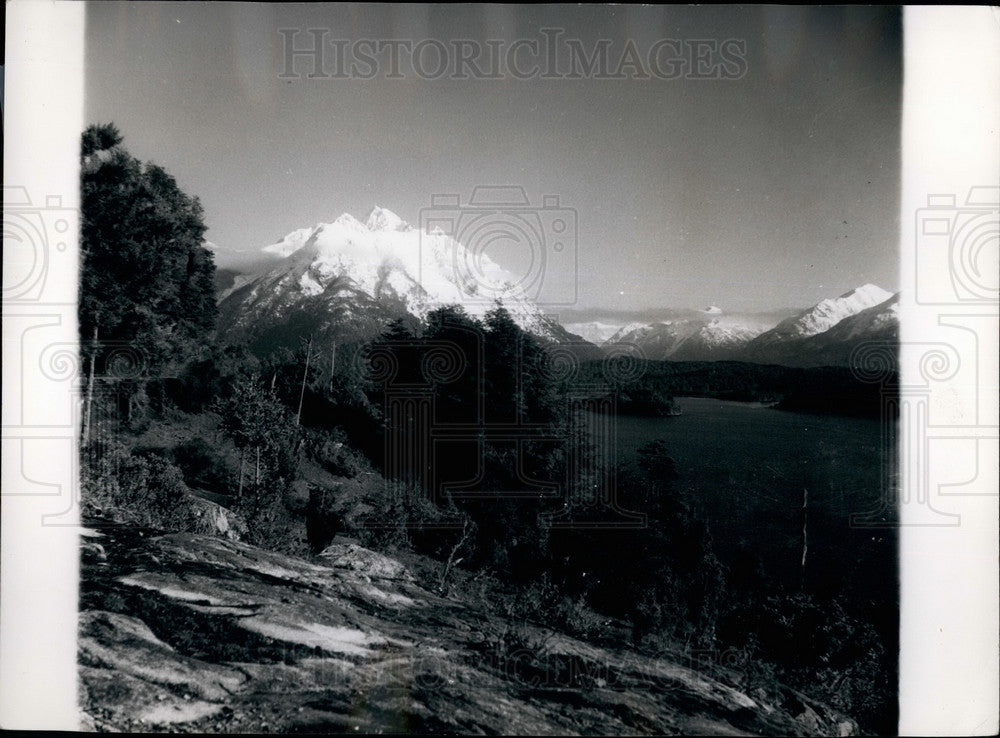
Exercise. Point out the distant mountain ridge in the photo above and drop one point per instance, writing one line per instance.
(710, 336)
(827, 333)
(835, 346)
(823, 335)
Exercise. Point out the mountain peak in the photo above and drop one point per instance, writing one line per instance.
(382, 219)
(385, 264)
(779, 344)
(349, 221)
(869, 291)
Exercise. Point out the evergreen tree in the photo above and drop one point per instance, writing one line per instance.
(146, 277)
(265, 436)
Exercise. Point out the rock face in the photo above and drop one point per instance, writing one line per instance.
(187, 632)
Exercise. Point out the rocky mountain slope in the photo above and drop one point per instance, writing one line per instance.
(346, 279)
(827, 333)
(188, 632)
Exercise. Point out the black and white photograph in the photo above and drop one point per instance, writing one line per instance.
(506, 369)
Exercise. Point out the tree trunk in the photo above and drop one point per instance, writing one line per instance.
(90, 391)
(239, 492)
(805, 538)
(305, 373)
(256, 474)
(451, 557)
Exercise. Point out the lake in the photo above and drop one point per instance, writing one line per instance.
(744, 466)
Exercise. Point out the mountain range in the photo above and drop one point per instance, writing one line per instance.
(823, 335)
(345, 280)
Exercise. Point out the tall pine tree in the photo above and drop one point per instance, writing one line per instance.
(146, 277)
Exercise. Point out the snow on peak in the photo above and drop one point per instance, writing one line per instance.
(290, 243)
(594, 331)
(712, 310)
(876, 320)
(386, 259)
(827, 313)
(382, 219)
(349, 222)
(867, 292)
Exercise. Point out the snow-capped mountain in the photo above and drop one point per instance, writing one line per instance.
(823, 335)
(634, 332)
(834, 347)
(290, 243)
(594, 331)
(712, 335)
(351, 277)
(825, 314)
(878, 321)
(787, 342)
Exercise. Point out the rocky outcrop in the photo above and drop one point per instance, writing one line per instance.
(214, 519)
(189, 632)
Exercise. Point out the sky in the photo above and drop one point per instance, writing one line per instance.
(762, 175)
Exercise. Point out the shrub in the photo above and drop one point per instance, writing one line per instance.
(269, 523)
(332, 451)
(144, 489)
(817, 647)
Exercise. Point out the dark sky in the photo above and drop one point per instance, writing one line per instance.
(775, 189)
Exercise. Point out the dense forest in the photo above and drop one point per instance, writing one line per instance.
(827, 389)
(455, 438)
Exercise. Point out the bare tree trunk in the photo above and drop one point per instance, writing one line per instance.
(305, 373)
(451, 557)
(239, 492)
(90, 391)
(805, 538)
(256, 474)
(274, 376)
